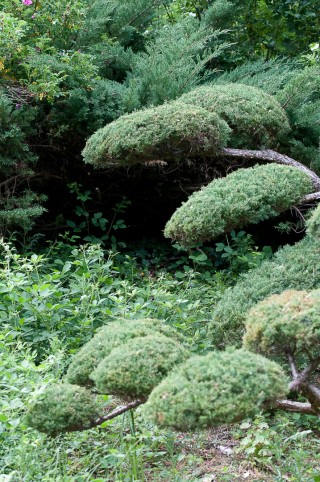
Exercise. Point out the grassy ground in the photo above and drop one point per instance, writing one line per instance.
(48, 309)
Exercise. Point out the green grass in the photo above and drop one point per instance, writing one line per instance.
(273, 447)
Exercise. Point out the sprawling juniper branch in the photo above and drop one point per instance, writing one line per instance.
(109, 416)
(273, 156)
(290, 406)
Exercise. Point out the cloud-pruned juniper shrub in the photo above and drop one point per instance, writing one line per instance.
(293, 267)
(313, 224)
(218, 388)
(63, 407)
(112, 336)
(133, 369)
(171, 130)
(288, 323)
(257, 120)
(128, 364)
(245, 196)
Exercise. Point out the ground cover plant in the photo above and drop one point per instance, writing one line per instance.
(129, 359)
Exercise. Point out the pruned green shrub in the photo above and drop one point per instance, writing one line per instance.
(285, 323)
(257, 120)
(111, 336)
(294, 267)
(171, 131)
(216, 389)
(63, 407)
(245, 196)
(133, 369)
(313, 224)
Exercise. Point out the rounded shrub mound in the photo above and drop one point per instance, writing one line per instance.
(285, 323)
(135, 368)
(313, 224)
(245, 196)
(293, 267)
(170, 131)
(112, 335)
(215, 389)
(61, 408)
(257, 120)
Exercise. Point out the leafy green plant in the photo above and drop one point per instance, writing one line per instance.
(96, 222)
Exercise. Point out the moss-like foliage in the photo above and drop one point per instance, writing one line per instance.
(62, 407)
(113, 335)
(294, 267)
(216, 389)
(135, 368)
(285, 323)
(170, 131)
(256, 118)
(245, 196)
(313, 224)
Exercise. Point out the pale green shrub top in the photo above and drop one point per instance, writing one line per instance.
(62, 407)
(293, 267)
(284, 323)
(133, 369)
(257, 120)
(313, 224)
(215, 389)
(245, 196)
(170, 131)
(112, 335)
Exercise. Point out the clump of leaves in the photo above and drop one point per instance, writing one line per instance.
(215, 389)
(169, 131)
(256, 118)
(245, 196)
(133, 369)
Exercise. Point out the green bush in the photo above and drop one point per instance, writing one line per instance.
(243, 197)
(313, 224)
(113, 335)
(293, 267)
(62, 407)
(257, 120)
(215, 389)
(285, 323)
(165, 132)
(133, 369)
(18, 205)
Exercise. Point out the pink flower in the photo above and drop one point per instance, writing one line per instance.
(27, 2)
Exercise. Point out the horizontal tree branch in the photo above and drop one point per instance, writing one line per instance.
(272, 156)
(290, 406)
(109, 416)
(310, 198)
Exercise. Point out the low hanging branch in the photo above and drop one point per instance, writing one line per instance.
(109, 416)
(290, 406)
(273, 156)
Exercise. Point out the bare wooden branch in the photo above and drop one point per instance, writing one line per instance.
(272, 156)
(310, 198)
(291, 406)
(109, 416)
(293, 367)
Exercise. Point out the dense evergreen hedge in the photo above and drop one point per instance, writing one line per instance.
(62, 407)
(111, 336)
(133, 369)
(284, 323)
(294, 267)
(243, 197)
(170, 131)
(215, 389)
(257, 120)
